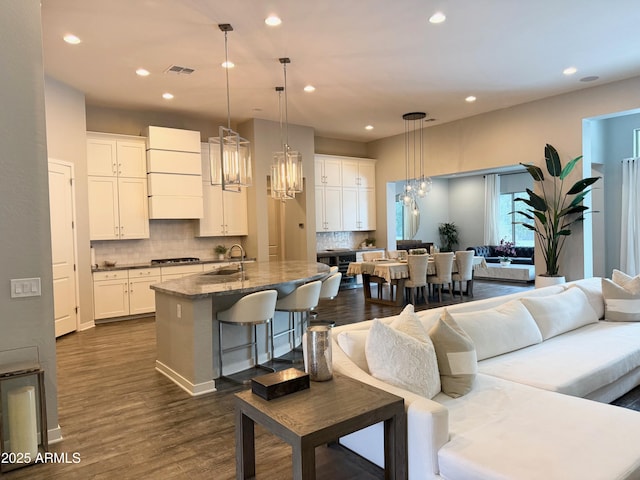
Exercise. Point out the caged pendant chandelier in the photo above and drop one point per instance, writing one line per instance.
(286, 170)
(230, 155)
(416, 184)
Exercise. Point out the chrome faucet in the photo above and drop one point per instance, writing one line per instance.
(242, 255)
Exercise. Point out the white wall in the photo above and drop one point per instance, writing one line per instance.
(466, 209)
(66, 140)
(24, 192)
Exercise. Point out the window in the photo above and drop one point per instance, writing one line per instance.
(521, 236)
(636, 142)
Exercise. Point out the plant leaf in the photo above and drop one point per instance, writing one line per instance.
(568, 167)
(534, 171)
(554, 167)
(581, 185)
(536, 201)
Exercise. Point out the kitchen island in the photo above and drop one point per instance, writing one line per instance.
(186, 308)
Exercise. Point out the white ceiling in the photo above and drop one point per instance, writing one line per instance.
(370, 60)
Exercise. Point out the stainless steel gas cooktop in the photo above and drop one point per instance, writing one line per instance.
(159, 261)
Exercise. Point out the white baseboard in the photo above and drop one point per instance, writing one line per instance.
(54, 435)
(186, 385)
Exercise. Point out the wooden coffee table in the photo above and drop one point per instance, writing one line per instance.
(319, 415)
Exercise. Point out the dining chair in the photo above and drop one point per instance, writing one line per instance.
(417, 276)
(370, 257)
(464, 264)
(444, 265)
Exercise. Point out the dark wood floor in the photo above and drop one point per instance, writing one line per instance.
(127, 421)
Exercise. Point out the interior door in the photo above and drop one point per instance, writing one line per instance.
(63, 247)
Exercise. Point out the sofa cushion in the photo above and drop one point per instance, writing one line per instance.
(352, 342)
(560, 313)
(402, 360)
(621, 304)
(579, 363)
(456, 354)
(592, 288)
(499, 330)
(503, 430)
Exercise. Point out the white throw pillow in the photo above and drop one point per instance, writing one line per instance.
(499, 330)
(402, 360)
(352, 342)
(629, 283)
(560, 313)
(621, 305)
(408, 322)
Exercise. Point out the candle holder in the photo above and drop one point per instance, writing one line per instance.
(318, 351)
(23, 413)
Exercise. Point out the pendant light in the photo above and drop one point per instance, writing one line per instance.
(286, 170)
(416, 184)
(230, 154)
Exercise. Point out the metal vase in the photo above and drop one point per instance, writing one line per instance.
(319, 363)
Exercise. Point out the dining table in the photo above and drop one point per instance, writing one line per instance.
(394, 272)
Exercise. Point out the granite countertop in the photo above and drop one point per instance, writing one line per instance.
(282, 276)
(131, 266)
(339, 251)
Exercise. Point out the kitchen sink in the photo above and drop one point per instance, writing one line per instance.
(225, 271)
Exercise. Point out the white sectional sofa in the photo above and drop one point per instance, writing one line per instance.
(538, 406)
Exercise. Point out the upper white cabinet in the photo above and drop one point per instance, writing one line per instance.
(115, 155)
(224, 212)
(175, 173)
(328, 171)
(345, 193)
(117, 187)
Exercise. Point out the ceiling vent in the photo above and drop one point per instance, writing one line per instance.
(179, 70)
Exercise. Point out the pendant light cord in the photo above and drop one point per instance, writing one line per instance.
(286, 107)
(226, 63)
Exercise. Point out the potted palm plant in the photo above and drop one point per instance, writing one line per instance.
(448, 236)
(552, 214)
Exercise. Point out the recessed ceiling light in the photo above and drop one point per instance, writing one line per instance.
(72, 39)
(569, 71)
(369, 127)
(309, 88)
(273, 20)
(228, 64)
(590, 78)
(142, 72)
(470, 99)
(167, 96)
(437, 17)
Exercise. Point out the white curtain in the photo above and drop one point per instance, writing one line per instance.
(491, 209)
(630, 221)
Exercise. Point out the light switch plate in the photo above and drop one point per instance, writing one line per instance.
(25, 287)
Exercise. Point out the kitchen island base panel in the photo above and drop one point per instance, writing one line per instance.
(186, 385)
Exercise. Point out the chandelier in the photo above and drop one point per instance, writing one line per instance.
(286, 170)
(230, 155)
(416, 184)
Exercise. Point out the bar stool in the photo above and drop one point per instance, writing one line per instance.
(302, 300)
(253, 309)
(328, 291)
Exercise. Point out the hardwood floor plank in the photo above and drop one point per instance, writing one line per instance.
(128, 421)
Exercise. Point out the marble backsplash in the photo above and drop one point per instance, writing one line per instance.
(167, 239)
(325, 240)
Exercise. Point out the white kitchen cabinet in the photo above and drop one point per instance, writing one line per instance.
(358, 208)
(345, 193)
(110, 294)
(359, 173)
(117, 187)
(224, 212)
(121, 293)
(117, 208)
(116, 155)
(328, 209)
(328, 171)
(142, 299)
(175, 139)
